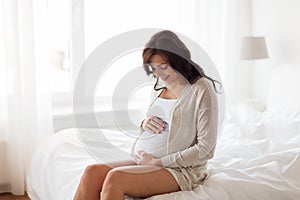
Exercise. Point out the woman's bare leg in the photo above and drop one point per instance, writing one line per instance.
(91, 182)
(137, 181)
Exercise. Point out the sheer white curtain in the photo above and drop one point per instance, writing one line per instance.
(220, 26)
(216, 25)
(25, 108)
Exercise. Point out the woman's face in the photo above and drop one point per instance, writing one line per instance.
(162, 69)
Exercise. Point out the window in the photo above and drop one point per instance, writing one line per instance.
(58, 18)
(79, 26)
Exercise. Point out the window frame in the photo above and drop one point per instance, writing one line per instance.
(61, 101)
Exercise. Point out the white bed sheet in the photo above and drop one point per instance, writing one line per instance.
(249, 163)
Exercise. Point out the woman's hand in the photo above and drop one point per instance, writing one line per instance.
(153, 124)
(147, 159)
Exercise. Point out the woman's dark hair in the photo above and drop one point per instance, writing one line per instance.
(170, 47)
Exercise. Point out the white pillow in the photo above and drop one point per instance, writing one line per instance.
(281, 120)
(243, 113)
(284, 92)
(282, 112)
(276, 129)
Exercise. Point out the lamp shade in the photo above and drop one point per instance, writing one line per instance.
(253, 48)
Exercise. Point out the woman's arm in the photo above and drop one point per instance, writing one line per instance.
(206, 125)
(199, 153)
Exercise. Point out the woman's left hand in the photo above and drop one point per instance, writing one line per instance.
(147, 159)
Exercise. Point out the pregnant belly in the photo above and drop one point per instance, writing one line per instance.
(154, 144)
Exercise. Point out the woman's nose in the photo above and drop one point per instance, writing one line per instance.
(157, 73)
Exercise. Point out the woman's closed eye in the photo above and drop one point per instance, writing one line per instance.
(160, 67)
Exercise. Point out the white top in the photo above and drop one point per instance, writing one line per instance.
(156, 143)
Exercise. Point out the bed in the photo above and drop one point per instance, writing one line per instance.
(257, 154)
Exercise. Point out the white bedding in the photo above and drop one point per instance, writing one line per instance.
(257, 157)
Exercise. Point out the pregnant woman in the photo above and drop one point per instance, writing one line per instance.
(177, 138)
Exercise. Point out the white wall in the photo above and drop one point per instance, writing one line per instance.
(237, 79)
(278, 21)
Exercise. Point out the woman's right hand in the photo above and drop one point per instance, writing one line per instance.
(153, 124)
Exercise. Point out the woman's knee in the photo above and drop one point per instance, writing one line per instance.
(94, 173)
(113, 179)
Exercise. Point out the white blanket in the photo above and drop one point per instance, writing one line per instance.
(256, 158)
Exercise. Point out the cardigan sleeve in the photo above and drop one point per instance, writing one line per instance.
(206, 137)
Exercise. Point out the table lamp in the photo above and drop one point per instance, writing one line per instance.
(253, 48)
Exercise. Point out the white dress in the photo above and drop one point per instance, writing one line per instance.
(156, 143)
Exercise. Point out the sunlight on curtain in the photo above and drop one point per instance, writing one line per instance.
(25, 116)
(175, 15)
(221, 24)
(103, 20)
(216, 25)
